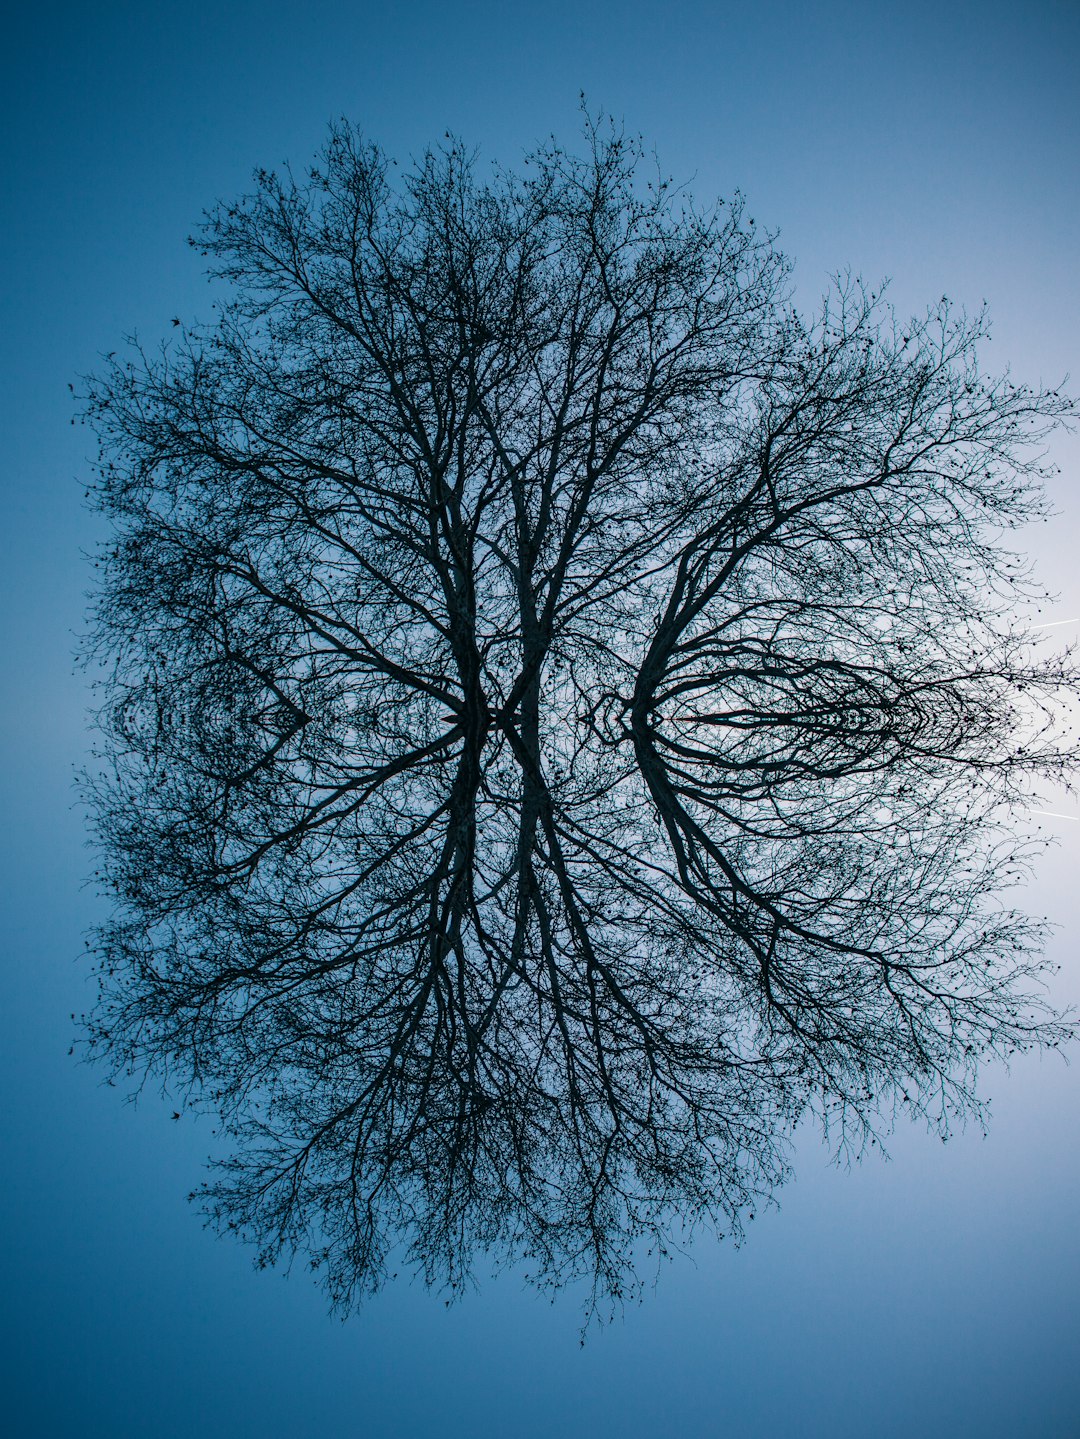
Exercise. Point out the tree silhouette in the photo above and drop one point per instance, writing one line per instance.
(563, 717)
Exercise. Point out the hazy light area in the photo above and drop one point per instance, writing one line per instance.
(934, 1295)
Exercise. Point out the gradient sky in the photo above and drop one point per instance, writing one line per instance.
(934, 1295)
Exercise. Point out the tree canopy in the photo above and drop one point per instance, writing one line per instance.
(565, 713)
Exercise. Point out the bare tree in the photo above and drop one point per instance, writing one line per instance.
(564, 714)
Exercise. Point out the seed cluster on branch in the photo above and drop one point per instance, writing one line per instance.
(563, 714)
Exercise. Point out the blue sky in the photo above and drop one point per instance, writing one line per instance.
(934, 1295)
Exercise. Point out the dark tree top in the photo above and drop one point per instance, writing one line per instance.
(565, 713)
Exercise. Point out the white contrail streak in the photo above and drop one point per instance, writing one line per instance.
(1053, 814)
(1052, 624)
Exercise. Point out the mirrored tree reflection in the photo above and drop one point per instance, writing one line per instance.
(563, 715)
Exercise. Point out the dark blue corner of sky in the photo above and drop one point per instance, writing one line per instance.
(935, 1295)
